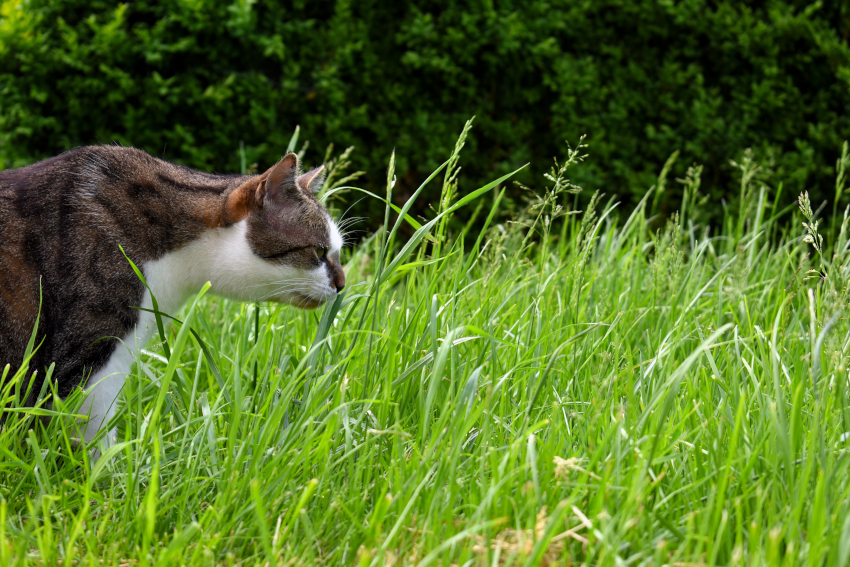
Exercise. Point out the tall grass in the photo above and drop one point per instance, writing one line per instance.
(596, 388)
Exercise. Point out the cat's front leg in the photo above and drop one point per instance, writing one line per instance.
(102, 391)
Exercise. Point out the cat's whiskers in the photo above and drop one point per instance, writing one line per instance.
(287, 281)
(344, 223)
(350, 221)
(345, 237)
(286, 286)
(342, 218)
(288, 290)
(344, 230)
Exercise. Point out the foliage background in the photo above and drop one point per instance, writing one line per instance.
(189, 79)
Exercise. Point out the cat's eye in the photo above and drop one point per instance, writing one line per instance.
(320, 252)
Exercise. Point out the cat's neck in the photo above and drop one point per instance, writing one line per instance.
(150, 206)
(220, 256)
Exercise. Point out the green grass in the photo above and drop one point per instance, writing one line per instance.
(595, 388)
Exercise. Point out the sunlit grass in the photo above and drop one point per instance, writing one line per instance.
(594, 388)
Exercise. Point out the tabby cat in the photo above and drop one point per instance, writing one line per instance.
(62, 220)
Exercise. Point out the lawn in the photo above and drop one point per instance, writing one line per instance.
(601, 387)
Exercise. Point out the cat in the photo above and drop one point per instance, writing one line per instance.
(65, 220)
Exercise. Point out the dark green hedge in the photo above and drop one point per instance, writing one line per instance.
(189, 79)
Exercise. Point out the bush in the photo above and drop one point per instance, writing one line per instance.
(189, 79)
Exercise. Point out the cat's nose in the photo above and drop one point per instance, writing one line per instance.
(339, 279)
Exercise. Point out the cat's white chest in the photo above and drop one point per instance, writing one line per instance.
(173, 278)
(104, 386)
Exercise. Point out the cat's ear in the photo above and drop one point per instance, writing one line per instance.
(272, 189)
(313, 180)
(281, 179)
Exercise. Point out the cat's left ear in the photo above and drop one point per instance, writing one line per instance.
(275, 188)
(281, 179)
(313, 180)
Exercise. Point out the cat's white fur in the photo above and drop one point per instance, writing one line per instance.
(223, 257)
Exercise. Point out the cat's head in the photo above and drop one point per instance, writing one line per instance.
(294, 244)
